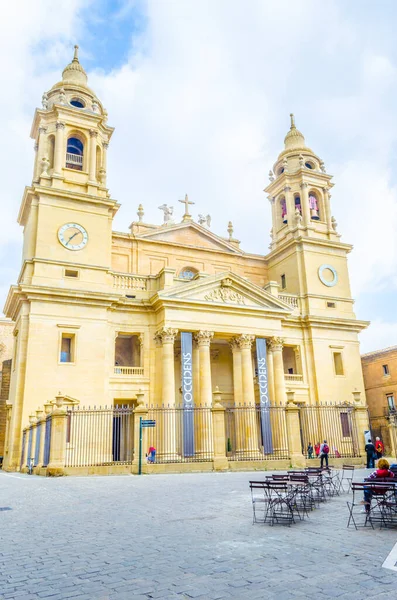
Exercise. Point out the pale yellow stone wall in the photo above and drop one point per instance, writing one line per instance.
(6, 340)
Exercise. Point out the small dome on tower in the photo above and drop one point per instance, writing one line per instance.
(74, 72)
(294, 138)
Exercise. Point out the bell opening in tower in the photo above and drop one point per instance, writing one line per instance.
(74, 154)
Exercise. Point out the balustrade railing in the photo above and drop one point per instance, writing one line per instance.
(289, 299)
(74, 159)
(293, 377)
(133, 371)
(129, 282)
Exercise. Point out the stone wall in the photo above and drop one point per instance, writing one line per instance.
(4, 393)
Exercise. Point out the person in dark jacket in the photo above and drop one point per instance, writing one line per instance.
(371, 452)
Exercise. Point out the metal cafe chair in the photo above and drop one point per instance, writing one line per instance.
(384, 501)
(304, 499)
(357, 489)
(282, 503)
(347, 476)
(260, 499)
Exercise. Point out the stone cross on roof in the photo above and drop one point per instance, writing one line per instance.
(187, 216)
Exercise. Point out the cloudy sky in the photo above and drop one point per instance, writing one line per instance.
(199, 92)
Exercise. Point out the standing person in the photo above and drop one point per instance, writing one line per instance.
(371, 452)
(324, 451)
(310, 450)
(317, 449)
(379, 447)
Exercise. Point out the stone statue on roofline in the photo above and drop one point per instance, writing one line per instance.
(168, 212)
(205, 221)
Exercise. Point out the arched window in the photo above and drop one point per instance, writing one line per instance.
(74, 154)
(298, 205)
(283, 206)
(280, 171)
(188, 273)
(309, 165)
(314, 207)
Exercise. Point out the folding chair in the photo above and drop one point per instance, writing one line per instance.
(358, 501)
(282, 501)
(347, 475)
(260, 499)
(304, 496)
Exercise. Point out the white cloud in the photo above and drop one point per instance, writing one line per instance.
(202, 107)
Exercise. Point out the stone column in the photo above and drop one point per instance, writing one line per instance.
(270, 373)
(203, 339)
(36, 172)
(59, 153)
(168, 428)
(204, 442)
(247, 423)
(293, 434)
(158, 370)
(167, 336)
(103, 169)
(305, 205)
(276, 345)
(41, 151)
(298, 360)
(248, 392)
(362, 423)
(218, 430)
(59, 417)
(327, 207)
(92, 157)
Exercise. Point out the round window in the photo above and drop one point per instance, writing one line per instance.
(308, 165)
(328, 275)
(187, 273)
(77, 103)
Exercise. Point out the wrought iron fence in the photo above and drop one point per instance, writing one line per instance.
(47, 441)
(99, 436)
(256, 433)
(181, 434)
(334, 423)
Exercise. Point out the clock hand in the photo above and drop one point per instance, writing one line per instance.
(72, 237)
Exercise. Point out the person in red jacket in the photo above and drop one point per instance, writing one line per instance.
(382, 472)
(317, 449)
(379, 447)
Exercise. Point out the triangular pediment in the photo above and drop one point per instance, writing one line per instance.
(225, 289)
(190, 234)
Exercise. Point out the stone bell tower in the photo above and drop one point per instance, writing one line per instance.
(299, 193)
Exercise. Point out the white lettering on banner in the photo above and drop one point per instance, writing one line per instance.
(263, 381)
(187, 378)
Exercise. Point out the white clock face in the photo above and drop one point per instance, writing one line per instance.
(73, 236)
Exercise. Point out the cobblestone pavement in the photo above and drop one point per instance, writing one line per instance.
(177, 536)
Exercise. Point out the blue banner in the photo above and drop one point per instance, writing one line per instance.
(187, 393)
(266, 426)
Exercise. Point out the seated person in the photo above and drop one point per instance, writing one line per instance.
(382, 472)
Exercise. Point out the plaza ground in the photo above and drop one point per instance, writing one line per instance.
(177, 536)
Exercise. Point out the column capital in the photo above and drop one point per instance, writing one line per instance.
(93, 133)
(166, 335)
(203, 338)
(276, 344)
(245, 341)
(42, 129)
(304, 185)
(105, 145)
(59, 125)
(287, 189)
(234, 344)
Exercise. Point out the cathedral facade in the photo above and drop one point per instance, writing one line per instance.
(108, 318)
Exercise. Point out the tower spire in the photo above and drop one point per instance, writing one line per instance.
(291, 115)
(76, 54)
